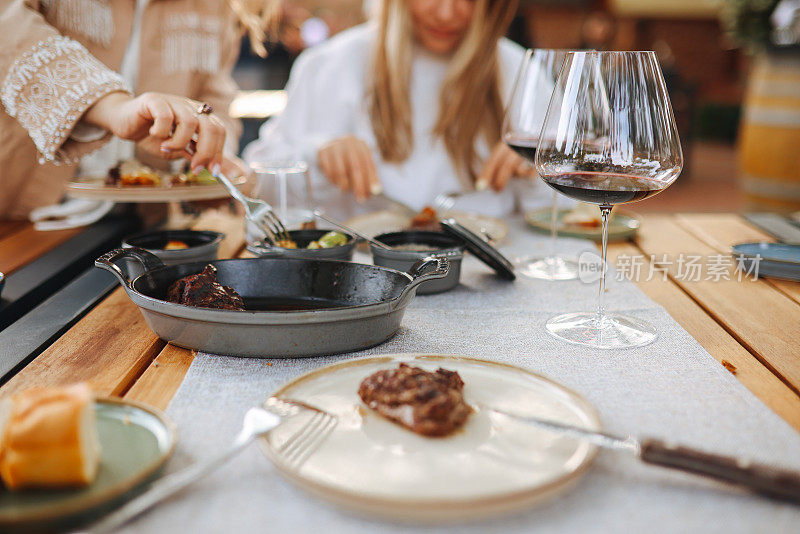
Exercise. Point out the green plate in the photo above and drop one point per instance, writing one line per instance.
(135, 443)
(621, 227)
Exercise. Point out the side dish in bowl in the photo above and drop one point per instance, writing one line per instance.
(175, 246)
(310, 244)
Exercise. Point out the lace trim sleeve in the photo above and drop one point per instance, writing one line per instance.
(50, 87)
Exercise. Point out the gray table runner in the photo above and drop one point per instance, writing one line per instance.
(672, 389)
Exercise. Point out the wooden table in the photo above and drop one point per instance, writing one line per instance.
(752, 328)
(38, 264)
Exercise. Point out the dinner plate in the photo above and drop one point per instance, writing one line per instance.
(96, 189)
(622, 225)
(776, 260)
(385, 221)
(493, 465)
(135, 442)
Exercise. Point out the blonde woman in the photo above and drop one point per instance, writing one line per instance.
(74, 73)
(410, 105)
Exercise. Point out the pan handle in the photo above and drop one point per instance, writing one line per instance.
(418, 276)
(148, 260)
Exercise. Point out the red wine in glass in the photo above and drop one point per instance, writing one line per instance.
(604, 188)
(525, 147)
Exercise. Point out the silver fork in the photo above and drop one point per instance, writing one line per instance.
(300, 445)
(257, 211)
(446, 201)
(257, 421)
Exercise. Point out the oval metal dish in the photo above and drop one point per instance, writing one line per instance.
(369, 303)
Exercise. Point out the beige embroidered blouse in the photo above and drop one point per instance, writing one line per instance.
(57, 57)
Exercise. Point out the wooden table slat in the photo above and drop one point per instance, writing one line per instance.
(28, 244)
(36, 330)
(723, 231)
(718, 342)
(110, 347)
(737, 305)
(8, 228)
(161, 380)
(55, 268)
(788, 288)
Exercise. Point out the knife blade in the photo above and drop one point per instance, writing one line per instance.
(774, 482)
(601, 439)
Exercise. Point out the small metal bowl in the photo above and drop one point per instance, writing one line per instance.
(303, 238)
(402, 260)
(203, 246)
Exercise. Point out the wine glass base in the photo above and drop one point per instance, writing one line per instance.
(606, 331)
(547, 268)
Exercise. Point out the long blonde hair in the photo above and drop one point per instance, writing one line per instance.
(470, 102)
(258, 18)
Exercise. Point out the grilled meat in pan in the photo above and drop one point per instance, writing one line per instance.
(204, 291)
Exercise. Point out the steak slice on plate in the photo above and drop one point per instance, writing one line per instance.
(430, 404)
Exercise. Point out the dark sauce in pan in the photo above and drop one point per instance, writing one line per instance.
(291, 304)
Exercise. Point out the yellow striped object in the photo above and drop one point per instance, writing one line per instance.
(769, 137)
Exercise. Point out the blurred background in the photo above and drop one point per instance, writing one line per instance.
(732, 68)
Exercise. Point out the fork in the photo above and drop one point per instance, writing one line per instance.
(257, 421)
(446, 201)
(257, 211)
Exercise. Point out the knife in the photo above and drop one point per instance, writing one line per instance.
(773, 482)
(777, 226)
(403, 207)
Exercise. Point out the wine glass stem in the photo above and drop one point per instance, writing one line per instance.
(283, 193)
(553, 228)
(605, 212)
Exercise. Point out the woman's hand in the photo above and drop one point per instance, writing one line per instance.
(347, 162)
(232, 167)
(163, 125)
(503, 165)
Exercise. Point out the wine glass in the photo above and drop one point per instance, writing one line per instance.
(286, 185)
(614, 141)
(522, 125)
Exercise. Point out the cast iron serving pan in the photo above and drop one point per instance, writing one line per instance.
(296, 307)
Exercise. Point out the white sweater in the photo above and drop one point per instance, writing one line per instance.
(327, 100)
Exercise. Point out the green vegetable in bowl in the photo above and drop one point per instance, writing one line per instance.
(329, 240)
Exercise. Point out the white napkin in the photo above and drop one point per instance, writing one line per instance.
(71, 213)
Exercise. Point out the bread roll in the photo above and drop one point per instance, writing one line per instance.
(50, 439)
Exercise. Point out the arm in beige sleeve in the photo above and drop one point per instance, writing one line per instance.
(219, 89)
(47, 80)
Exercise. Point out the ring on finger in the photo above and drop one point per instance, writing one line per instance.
(204, 109)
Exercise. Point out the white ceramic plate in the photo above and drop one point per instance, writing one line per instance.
(622, 226)
(493, 465)
(96, 189)
(383, 221)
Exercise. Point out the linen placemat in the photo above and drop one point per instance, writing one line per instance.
(670, 389)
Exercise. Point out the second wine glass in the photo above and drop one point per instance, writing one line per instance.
(522, 126)
(615, 141)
